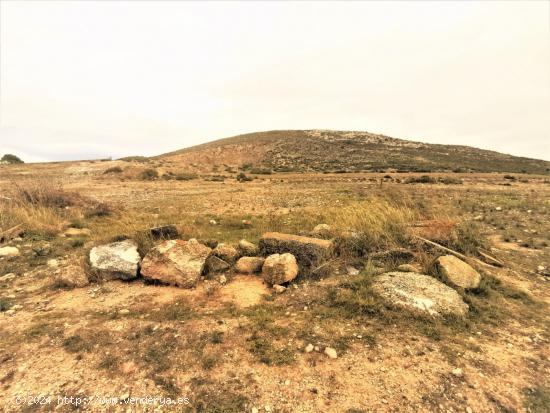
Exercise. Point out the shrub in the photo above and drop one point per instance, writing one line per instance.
(447, 180)
(135, 159)
(261, 171)
(77, 242)
(5, 304)
(149, 174)
(185, 176)
(370, 225)
(241, 177)
(10, 159)
(47, 195)
(113, 170)
(467, 238)
(216, 178)
(424, 179)
(99, 210)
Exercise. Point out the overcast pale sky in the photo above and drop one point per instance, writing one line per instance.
(88, 79)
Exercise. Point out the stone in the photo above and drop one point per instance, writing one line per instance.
(116, 260)
(309, 348)
(226, 252)
(279, 268)
(247, 248)
(52, 263)
(77, 232)
(331, 353)
(279, 289)
(457, 272)
(164, 231)
(457, 372)
(176, 262)
(222, 280)
(420, 292)
(124, 311)
(322, 230)
(408, 268)
(249, 265)
(246, 223)
(7, 277)
(309, 252)
(210, 243)
(71, 276)
(352, 271)
(215, 264)
(9, 251)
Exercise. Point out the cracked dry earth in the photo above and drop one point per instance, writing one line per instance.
(129, 339)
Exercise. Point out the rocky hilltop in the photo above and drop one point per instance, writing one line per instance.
(345, 151)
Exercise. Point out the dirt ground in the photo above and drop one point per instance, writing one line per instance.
(240, 346)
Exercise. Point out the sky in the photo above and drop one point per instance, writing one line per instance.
(95, 79)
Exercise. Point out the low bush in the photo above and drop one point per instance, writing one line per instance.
(424, 179)
(113, 170)
(149, 174)
(241, 177)
(261, 171)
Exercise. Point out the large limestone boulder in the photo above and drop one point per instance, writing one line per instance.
(116, 260)
(71, 276)
(279, 268)
(226, 252)
(457, 272)
(309, 252)
(176, 262)
(419, 292)
(249, 265)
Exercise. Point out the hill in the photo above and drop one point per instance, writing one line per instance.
(333, 151)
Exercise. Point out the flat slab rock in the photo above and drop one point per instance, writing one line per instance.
(116, 260)
(420, 292)
(176, 262)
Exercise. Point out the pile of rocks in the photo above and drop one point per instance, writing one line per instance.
(279, 259)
